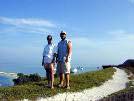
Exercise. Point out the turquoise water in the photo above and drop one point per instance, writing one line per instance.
(5, 81)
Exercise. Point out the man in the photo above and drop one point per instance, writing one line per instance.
(48, 60)
(64, 59)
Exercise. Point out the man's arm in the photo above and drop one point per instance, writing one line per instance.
(69, 46)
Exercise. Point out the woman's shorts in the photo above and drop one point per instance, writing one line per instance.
(47, 60)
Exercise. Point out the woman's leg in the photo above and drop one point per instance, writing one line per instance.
(52, 74)
(46, 67)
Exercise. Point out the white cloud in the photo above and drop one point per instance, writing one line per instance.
(26, 25)
(26, 22)
(114, 49)
(131, 1)
(11, 31)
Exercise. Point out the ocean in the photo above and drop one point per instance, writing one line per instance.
(6, 81)
(7, 75)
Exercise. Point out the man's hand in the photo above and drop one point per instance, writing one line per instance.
(56, 61)
(53, 61)
(66, 59)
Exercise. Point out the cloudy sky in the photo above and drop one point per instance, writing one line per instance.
(102, 31)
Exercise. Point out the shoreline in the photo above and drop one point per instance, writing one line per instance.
(12, 75)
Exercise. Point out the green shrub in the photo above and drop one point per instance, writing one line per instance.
(22, 79)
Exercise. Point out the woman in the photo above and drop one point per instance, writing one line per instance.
(48, 61)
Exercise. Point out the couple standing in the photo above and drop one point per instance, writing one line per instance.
(62, 56)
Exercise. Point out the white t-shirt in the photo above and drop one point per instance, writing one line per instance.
(48, 52)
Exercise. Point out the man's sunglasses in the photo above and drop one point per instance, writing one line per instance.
(49, 38)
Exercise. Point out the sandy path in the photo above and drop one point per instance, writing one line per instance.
(113, 85)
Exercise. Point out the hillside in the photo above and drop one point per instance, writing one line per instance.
(78, 82)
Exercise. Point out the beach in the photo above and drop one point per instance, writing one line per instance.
(117, 83)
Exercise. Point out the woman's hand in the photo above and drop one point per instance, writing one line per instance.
(46, 66)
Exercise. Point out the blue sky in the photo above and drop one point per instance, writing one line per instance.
(101, 30)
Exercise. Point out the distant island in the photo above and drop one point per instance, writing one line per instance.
(127, 64)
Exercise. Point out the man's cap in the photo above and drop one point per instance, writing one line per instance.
(63, 32)
(49, 37)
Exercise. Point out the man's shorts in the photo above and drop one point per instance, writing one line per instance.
(63, 67)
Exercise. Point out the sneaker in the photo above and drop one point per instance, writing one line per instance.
(47, 85)
(52, 87)
(60, 85)
(68, 87)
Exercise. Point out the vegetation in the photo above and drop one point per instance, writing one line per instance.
(123, 95)
(130, 72)
(26, 78)
(78, 82)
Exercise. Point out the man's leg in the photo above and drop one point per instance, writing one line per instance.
(61, 79)
(67, 77)
(67, 74)
(61, 74)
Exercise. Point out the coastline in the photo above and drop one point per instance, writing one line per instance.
(12, 75)
(6, 79)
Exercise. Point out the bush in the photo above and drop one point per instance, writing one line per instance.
(26, 78)
(34, 77)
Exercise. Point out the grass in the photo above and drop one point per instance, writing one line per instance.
(125, 92)
(78, 83)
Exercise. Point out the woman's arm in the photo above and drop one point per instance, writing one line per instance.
(54, 58)
(43, 61)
